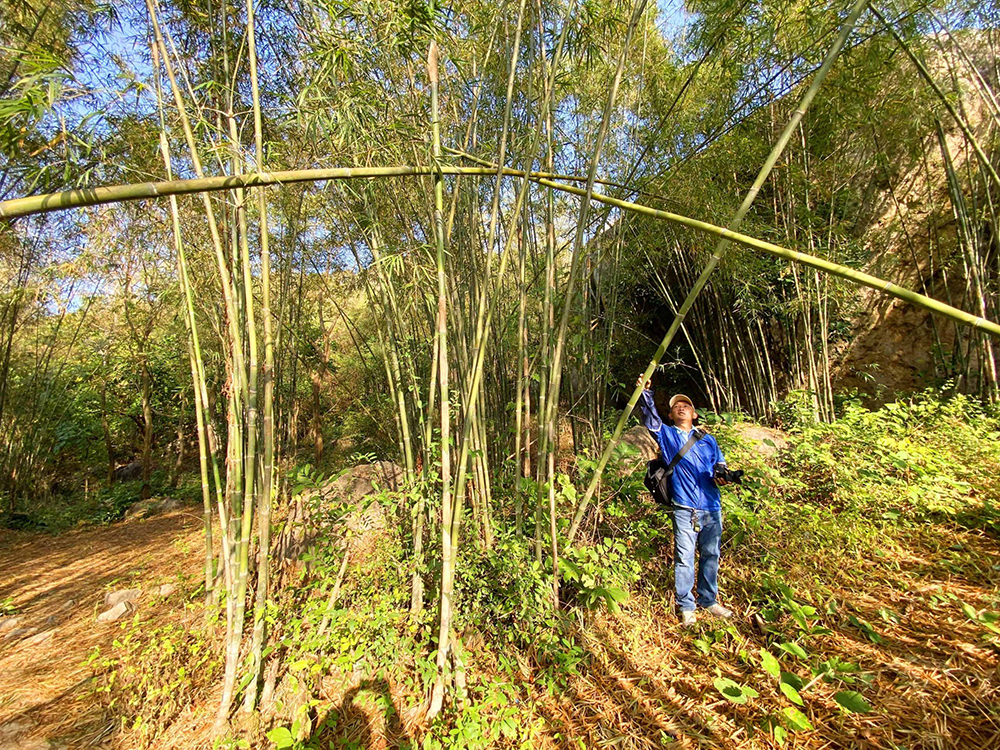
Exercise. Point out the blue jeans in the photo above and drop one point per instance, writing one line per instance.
(708, 540)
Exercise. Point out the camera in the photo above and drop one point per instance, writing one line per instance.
(725, 474)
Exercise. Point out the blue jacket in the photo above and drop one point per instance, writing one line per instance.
(692, 480)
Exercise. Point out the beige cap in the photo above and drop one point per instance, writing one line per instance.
(680, 397)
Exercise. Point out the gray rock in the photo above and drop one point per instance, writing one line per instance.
(166, 589)
(142, 509)
(27, 743)
(639, 438)
(9, 623)
(11, 635)
(129, 472)
(36, 640)
(766, 442)
(153, 506)
(14, 728)
(116, 612)
(122, 595)
(170, 503)
(16, 735)
(352, 487)
(388, 475)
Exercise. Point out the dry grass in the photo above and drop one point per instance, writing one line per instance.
(934, 682)
(58, 584)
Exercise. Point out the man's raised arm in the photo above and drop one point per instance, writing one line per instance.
(650, 416)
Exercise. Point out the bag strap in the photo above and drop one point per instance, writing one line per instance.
(696, 435)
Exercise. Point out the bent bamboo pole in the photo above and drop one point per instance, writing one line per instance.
(78, 197)
(844, 272)
(93, 196)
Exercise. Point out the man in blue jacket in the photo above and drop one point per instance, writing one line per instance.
(697, 507)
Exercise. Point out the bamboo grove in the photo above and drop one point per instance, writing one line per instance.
(418, 148)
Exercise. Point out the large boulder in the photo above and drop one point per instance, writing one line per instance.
(344, 507)
(151, 507)
(362, 480)
(765, 440)
(640, 448)
(128, 472)
(645, 446)
(142, 509)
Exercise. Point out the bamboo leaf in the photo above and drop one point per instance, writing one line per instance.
(852, 702)
(796, 719)
(794, 649)
(733, 691)
(769, 663)
(791, 693)
(788, 678)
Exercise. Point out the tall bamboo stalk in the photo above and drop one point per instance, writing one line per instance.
(207, 448)
(236, 515)
(441, 337)
(966, 243)
(552, 399)
(523, 393)
(265, 481)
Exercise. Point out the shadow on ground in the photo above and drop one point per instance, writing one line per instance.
(366, 717)
(927, 669)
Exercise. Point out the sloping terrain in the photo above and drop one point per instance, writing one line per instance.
(850, 632)
(930, 679)
(56, 586)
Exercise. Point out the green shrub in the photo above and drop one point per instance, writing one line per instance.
(150, 675)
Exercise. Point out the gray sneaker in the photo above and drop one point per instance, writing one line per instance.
(719, 611)
(688, 618)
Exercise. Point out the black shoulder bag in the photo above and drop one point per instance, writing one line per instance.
(658, 472)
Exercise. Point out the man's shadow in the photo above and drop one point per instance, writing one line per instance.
(348, 726)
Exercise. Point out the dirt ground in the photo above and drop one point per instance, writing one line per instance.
(934, 680)
(58, 584)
